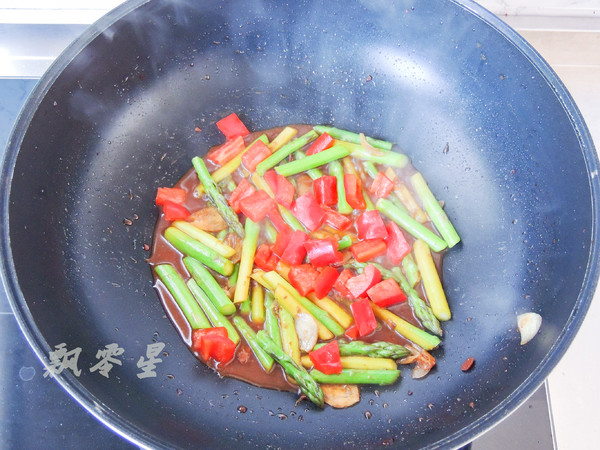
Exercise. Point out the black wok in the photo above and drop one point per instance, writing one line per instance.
(114, 118)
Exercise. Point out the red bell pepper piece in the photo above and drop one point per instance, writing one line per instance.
(174, 211)
(325, 281)
(303, 278)
(213, 343)
(231, 126)
(386, 293)
(336, 220)
(364, 318)
(323, 142)
(265, 259)
(353, 188)
(360, 284)
(281, 242)
(368, 249)
(322, 252)
(307, 210)
(351, 332)
(295, 252)
(325, 189)
(397, 245)
(370, 226)
(381, 186)
(282, 189)
(327, 358)
(256, 206)
(278, 221)
(340, 283)
(227, 151)
(175, 195)
(255, 155)
(244, 189)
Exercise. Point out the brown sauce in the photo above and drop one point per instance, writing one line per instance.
(249, 369)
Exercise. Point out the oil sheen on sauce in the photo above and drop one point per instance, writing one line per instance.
(245, 366)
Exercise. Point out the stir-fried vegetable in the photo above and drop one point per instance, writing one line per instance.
(313, 246)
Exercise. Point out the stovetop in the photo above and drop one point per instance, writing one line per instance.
(35, 411)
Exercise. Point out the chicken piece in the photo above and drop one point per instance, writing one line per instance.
(208, 219)
(341, 395)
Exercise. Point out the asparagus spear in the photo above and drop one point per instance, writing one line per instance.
(206, 281)
(370, 169)
(204, 238)
(246, 261)
(271, 325)
(216, 197)
(358, 362)
(250, 337)
(419, 231)
(182, 295)
(313, 173)
(290, 344)
(258, 303)
(349, 136)
(335, 169)
(285, 151)
(435, 211)
(378, 349)
(409, 266)
(345, 242)
(313, 161)
(308, 385)
(216, 318)
(431, 281)
(355, 376)
(421, 309)
(409, 203)
(420, 337)
(245, 306)
(191, 247)
(270, 232)
(282, 138)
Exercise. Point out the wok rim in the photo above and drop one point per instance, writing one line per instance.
(133, 434)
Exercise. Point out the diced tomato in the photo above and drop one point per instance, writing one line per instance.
(351, 332)
(386, 293)
(281, 242)
(368, 249)
(278, 221)
(381, 186)
(227, 151)
(364, 318)
(322, 252)
(174, 211)
(327, 358)
(336, 220)
(397, 245)
(244, 189)
(200, 337)
(295, 252)
(221, 349)
(307, 210)
(325, 281)
(231, 126)
(325, 189)
(256, 206)
(369, 225)
(265, 259)
(282, 189)
(303, 278)
(360, 284)
(340, 283)
(353, 188)
(175, 195)
(255, 155)
(323, 142)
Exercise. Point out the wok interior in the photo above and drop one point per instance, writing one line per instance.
(119, 122)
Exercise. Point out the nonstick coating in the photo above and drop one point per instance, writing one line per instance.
(115, 118)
